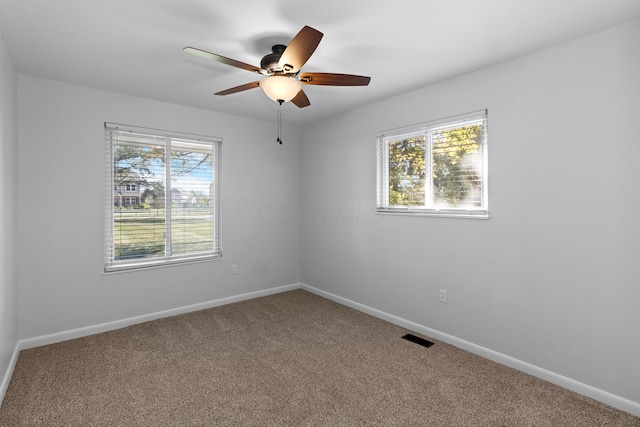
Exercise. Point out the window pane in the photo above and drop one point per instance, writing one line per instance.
(192, 226)
(138, 221)
(457, 167)
(407, 171)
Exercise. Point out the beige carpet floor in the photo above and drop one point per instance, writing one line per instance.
(291, 359)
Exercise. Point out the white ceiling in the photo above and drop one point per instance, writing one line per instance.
(135, 46)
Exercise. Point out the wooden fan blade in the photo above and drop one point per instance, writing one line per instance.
(300, 49)
(239, 88)
(333, 79)
(208, 55)
(301, 100)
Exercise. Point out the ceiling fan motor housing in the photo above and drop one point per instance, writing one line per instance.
(270, 62)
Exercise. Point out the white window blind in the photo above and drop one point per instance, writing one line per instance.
(162, 197)
(436, 168)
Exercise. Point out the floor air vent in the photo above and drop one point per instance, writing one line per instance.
(418, 340)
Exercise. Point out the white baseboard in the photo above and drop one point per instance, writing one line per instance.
(4, 385)
(605, 397)
(118, 324)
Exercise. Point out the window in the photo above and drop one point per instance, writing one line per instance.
(162, 198)
(437, 168)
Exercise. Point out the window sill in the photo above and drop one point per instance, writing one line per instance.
(435, 213)
(127, 268)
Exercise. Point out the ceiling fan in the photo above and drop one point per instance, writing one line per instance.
(283, 81)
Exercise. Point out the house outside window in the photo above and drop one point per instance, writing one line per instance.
(437, 168)
(127, 193)
(162, 193)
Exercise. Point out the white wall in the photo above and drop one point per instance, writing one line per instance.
(8, 204)
(61, 183)
(552, 277)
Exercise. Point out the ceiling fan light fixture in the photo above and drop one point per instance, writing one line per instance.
(280, 88)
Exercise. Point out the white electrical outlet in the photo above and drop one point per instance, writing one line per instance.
(234, 269)
(443, 296)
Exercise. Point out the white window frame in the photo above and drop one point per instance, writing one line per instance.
(111, 264)
(427, 129)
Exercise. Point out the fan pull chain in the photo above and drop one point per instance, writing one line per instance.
(279, 122)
